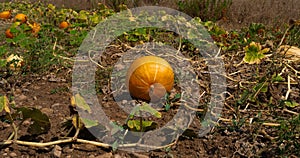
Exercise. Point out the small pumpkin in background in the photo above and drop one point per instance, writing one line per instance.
(5, 14)
(21, 17)
(8, 34)
(64, 25)
(149, 78)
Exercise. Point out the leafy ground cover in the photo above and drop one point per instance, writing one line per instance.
(260, 116)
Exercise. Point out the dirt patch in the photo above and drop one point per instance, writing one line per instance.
(51, 94)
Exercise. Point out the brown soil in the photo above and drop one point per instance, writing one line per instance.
(51, 94)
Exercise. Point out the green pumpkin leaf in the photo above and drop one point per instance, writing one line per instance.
(277, 78)
(115, 145)
(262, 87)
(83, 15)
(95, 19)
(167, 107)
(41, 123)
(147, 108)
(291, 104)
(115, 128)
(89, 123)
(136, 124)
(134, 111)
(80, 102)
(177, 96)
(51, 6)
(2, 63)
(130, 124)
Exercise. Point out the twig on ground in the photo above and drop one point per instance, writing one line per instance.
(291, 112)
(68, 140)
(289, 88)
(191, 108)
(265, 123)
(228, 106)
(297, 72)
(283, 37)
(146, 146)
(266, 135)
(72, 140)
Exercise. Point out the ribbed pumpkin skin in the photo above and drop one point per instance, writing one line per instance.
(149, 78)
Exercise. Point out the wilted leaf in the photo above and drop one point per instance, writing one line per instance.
(76, 123)
(15, 62)
(41, 123)
(290, 52)
(72, 100)
(2, 102)
(80, 102)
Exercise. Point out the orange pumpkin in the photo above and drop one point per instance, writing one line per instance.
(149, 78)
(21, 17)
(64, 25)
(5, 14)
(8, 34)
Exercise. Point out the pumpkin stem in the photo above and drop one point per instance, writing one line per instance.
(156, 91)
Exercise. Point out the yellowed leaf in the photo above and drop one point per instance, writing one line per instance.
(81, 103)
(76, 121)
(6, 104)
(73, 103)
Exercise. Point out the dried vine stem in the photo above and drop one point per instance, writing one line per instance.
(146, 146)
(291, 112)
(72, 140)
(265, 123)
(69, 140)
